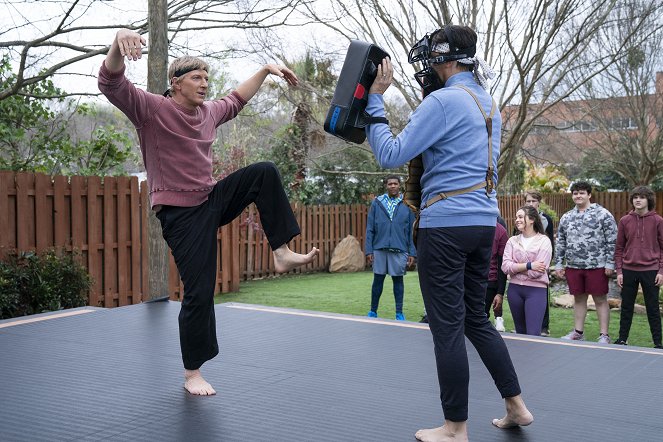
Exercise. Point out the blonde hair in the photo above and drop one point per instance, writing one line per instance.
(182, 65)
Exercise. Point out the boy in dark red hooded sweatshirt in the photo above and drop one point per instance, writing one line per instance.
(639, 260)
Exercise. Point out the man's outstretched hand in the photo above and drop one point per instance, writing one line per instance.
(130, 44)
(284, 73)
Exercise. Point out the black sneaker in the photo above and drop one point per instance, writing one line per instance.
(659, 346)
(424, 319)
(620, 342)
(545, 332)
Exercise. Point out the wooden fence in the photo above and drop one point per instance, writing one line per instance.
(616, 202)
(321, 226)
(100, 219)
(245, 254)
(106, 221)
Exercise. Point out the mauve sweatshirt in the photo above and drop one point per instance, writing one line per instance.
(176, 143)
(639, 243)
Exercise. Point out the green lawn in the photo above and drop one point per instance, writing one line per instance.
(350, 293)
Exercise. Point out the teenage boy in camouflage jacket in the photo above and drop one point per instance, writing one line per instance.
(585, 249)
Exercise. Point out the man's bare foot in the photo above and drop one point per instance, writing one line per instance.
(517, 414)
(450, 431)
(286, 260)
(195, 383)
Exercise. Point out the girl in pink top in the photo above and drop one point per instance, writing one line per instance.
(525, 261)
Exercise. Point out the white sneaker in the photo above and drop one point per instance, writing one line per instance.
(604, 339)
(499, 324)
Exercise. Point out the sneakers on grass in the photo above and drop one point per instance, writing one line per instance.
(499, 324)
(620, 342)
(400, 317)
(574, 336)
(372, 314)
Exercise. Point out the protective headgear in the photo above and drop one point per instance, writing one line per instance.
(421, 52)
(449, 51)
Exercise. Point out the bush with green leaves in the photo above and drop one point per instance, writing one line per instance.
(34, 283)
(40, 134)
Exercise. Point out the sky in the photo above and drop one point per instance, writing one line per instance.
(82, 75)
(78, 76)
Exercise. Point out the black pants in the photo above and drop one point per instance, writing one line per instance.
(650, 292)
(491, 292)
(546, 316)
(453, 273)
(191, 234)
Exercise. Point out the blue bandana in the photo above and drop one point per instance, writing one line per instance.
(390, 203)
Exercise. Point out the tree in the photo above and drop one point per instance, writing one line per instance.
(311, 102)
(543, 51)
(626, 111)
(540, 49)
(157, 78)
(284, 125)
(102, 150)
(547, 179)
(27, 133)
(41, 138)
(45, 41)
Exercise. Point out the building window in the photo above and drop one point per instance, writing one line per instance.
(579, 126)
(566, 125)
(622, 123)
(540, 129)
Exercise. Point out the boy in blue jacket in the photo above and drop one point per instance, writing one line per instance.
(389, 246)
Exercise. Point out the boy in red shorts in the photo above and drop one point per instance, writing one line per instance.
(586, 238)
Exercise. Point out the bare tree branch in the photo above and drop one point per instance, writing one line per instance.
(184, 18)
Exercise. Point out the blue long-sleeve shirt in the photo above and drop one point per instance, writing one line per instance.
(450, 131)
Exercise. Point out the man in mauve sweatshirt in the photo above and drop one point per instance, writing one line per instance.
(639, 260)
(176, 131)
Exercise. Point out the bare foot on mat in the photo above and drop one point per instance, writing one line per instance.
(195, 384)
(441, 434)
(517, 414)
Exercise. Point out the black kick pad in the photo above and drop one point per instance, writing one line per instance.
(347, 117)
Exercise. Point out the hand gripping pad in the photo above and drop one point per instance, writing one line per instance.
(347, 116)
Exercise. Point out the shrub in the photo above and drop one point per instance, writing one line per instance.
(548, 211)
(34, 283)
(9, 293)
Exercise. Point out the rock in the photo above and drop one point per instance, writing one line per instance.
(565, 300)
(347, 256)
(639, 309)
